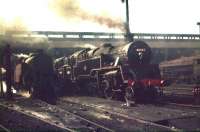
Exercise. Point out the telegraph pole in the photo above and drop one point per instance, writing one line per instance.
(129, 36)
(198, 23)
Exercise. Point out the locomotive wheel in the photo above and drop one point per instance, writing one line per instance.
(139, 94)
(107, 90)
(91, 88)
(82, 89)
(153, 94)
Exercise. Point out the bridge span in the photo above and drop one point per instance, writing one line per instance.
(65, 39)
(164, 46)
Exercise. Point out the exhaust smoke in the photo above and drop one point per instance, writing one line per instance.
(70, 9)
(15, 34)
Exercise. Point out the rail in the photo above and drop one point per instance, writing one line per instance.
(2, 128)
(121, 114)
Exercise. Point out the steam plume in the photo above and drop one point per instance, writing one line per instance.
(16, 26)
(14, 34)
(85, 46)
(70, 9)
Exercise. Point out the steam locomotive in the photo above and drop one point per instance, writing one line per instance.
(114, 71)
(26, 75)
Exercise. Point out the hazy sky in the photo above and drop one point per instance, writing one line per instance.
(146, 16)
(165, 16)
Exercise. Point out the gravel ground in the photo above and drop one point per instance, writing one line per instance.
(106, 118)
(101, 113)
(15, 121)
(174, 117)
(45, 112)
(148, 112)
(59, 115)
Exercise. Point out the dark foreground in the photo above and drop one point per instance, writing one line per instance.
(96, 114)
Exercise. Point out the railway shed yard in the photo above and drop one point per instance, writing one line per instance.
(96, 114)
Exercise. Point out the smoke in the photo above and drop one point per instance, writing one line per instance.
(70, 9)
(85, 46)
(79, 45)
(19, 41)
(16, 25)
(17, 35)
(24, 42)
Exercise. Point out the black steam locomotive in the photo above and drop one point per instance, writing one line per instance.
(34, 73)
(114, 71)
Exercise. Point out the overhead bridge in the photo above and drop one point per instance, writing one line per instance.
(102, 35)
(60, 39)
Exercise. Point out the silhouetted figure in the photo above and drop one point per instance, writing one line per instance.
(7, 65)
(43, 77)
(18, 74)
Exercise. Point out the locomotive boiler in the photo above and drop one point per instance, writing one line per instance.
(114, 71)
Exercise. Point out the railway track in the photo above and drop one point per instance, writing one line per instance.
(4, 129)
(92, 125)
(77, 123)
(179, 112)
(142, 123)
(190, 106)
(118, 122)
(96, 126)
(180, 99)
(58, 117)
(70, 115)
(20, 120)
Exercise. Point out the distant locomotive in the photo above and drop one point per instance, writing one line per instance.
(114, 71)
